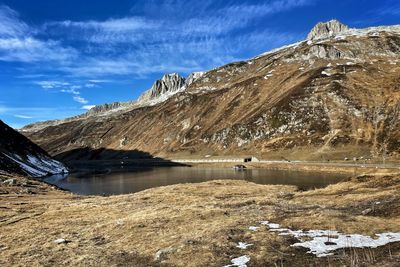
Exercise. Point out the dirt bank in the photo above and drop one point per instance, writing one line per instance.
(193, 224)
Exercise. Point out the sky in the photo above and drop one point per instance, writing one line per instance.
(59, 58)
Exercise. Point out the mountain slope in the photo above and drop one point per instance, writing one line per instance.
(20, 156)
(336, 94)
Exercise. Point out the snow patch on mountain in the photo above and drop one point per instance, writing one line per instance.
(37, 166)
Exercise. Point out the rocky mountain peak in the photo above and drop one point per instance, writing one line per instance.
(168, 85)
(327, 29)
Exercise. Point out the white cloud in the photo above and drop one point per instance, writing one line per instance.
(100, 81)
(10, 25)
(87, 107)
(29, 49)
(80, 99)
(18, 42)
(52, 84)
(90, 85)
(71, 88)
(198, 38)
(70, 91)
(23, 116)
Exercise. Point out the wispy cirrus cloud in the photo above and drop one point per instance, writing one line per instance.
(68, 88)
(206, 34)
(80, 99)
(11, 25)
(170, 27)
(18, 42)
(23, 116)
(52, 84)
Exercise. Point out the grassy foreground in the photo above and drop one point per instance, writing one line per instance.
(193, 224)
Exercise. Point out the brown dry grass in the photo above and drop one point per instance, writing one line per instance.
(197, 224)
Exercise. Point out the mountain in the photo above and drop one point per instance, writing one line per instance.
(160, 91)
(327, 29)
(19, 155)
(167, 86)
(331, 96)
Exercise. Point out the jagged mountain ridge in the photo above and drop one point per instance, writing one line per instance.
(328, 95)
(160, 91)
(167, 86)
(19, 155)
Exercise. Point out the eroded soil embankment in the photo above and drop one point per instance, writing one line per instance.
(193, 224)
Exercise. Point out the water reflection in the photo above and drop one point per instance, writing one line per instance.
(141, 179)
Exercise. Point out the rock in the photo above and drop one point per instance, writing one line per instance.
(327, 29)
(162, 253)
(326, 52)
(366, 211)
(11, 181)
(168, 85)
(193, 77)
(99, 109)
(60, 241)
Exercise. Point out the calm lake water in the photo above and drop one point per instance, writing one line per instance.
(141, 179)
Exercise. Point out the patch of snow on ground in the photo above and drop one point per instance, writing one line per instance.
(268, 75)
(324, 242)
(325, 73)
(270, 225)
(253, 228)
(239, 262)
(243, 245)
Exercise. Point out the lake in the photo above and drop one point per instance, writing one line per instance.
(141, 179)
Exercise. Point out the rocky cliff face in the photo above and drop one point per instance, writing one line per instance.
(167, 86)
(327, 29)
(327, 98)
(19, 155)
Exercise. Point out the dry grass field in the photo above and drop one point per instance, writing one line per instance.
(194, 224)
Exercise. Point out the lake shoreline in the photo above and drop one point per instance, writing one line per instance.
(124, 182)
(126, 165)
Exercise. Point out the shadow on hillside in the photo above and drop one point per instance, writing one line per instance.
(109, 159)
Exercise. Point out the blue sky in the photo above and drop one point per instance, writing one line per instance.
(58, 58)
